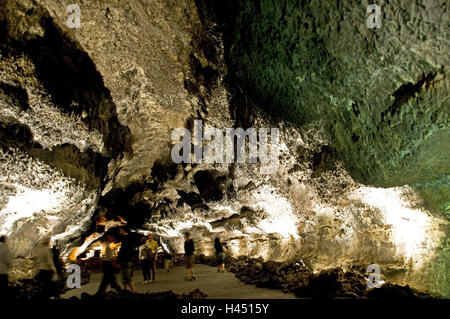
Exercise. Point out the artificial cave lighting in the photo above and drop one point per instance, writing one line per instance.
(414, 230)
(297, 147)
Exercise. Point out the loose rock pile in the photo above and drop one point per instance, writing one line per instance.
(296, 277)
(31, 289)
(22, 268)
(271, 274)
(125, 294)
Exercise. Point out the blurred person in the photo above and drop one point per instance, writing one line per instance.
(47, 274)
(126, 259)
(109, 277)
(60, 284)
(220, 254)
(168, 259)
(144, 259)
(57, 260)
(5, 265)
(189, 256)
(153, 246)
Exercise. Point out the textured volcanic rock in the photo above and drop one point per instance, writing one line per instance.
(381, 94)
(86, 118)
(146, 56)
(59, 129)
(294, 276)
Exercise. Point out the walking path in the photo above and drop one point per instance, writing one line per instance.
(209, 281)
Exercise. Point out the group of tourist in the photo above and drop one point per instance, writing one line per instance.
(148, 253)
(50, 269)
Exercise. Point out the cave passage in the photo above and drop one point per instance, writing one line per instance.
(97, 98)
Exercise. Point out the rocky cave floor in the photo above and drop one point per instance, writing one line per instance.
(210, 283)
(86, 118)
(245, 278)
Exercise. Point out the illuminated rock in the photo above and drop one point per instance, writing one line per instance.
(87, 114)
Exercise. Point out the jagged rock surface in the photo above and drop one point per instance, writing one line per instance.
(91, 110)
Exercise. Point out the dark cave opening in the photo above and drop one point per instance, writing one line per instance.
(17, 95)
(208, 185)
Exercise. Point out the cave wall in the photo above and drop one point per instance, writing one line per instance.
(381, 95)
(96, 105)
(144, 52)
(86, 116)
(58, 127)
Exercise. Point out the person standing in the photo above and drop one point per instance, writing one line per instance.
(47, 270)
(189, 250)
(5, 264)
(153, 246)
(220, 254)
(109, 277)
(126, 256)
(144, 259)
